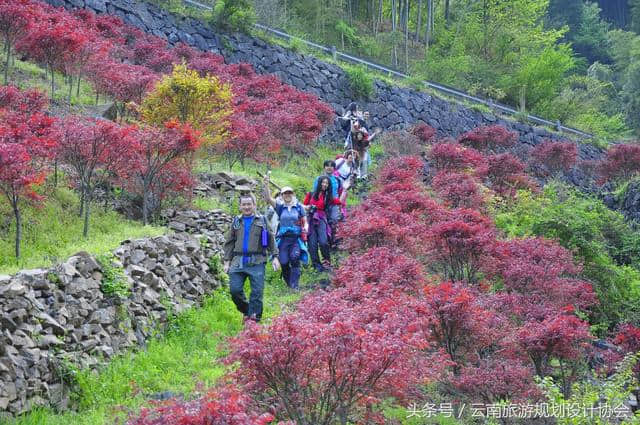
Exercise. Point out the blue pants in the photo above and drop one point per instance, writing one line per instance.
(289, 256)
(237, 277)
(318, 236)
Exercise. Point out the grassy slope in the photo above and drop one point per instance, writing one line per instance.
(53, 231)
(186, 360)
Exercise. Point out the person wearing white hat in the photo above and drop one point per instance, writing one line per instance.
(292, 233)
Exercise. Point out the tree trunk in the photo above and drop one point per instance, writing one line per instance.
(406, 36)
(81, 201)
(145, 204)
(419, 21)
(446, 13)
(379, 20)
(70, 90)
(394, 57)
(52, 80)
(16, 212)
(55, 172)
(78, 88)
(7, 63)
(429, 23)
(85, 229)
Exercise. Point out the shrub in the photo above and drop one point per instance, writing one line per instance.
(424, 132)
(555, 157)
(621, 163)
(458, 190)
(114, 282)
(401, 142)
(458, 245)
(360, 81)
(489, 138)
(454, 157)
(234, 15)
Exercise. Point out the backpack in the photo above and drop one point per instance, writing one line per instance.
(280, 208)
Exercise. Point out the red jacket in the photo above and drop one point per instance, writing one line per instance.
(319, 203)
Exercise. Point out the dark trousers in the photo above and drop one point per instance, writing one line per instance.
(289, 256)
(318, 237)
(237, 278)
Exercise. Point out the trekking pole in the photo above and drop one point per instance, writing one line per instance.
(272, 183)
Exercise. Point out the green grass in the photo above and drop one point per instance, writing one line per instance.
(187, 360)
(53, 231)
(211, 203)
(298, 173)
(29, 75)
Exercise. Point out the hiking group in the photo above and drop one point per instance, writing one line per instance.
(305, 231)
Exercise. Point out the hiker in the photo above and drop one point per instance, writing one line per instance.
(361, 140)
(333, 209)
(346, 171)
(248, 245)
(292, 233)
(345, 120)
(316, 204)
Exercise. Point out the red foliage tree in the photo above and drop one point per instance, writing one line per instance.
(542, 273)
(159, 160)
(489, 138)
(504, 173)
(562, 337)
(424, 132)
(456, 320)
(405, 169)
(555, 157)
(17, 179)
(222, 406)
(459, 244)
(621, 163)
(379, 271)
(322, 371)
(15, 20)
(53, 41)
(458, 190)
(628, 338)
(125, 83)
(454, 157)
(27, 102)
(496, 379)
(94, 149)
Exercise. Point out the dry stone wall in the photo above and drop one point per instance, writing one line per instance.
(56, 319)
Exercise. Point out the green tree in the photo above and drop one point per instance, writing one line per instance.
(631, 96)
(540, 76)
(635, 15)
(590, 39)
(202, 102)
(235, 15)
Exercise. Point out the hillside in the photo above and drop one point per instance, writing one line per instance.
(477, 275)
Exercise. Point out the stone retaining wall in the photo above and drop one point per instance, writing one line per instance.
(56, 317)
(391, 107)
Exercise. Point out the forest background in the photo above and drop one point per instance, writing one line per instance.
(570, 60)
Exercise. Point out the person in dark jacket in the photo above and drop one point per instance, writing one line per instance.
(249, 243)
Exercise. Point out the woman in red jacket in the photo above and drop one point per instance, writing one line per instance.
(317, 204)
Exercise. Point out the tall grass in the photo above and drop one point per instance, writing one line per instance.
(53, 231)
